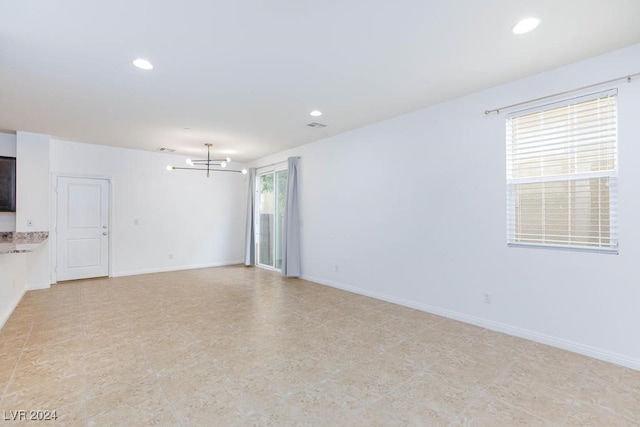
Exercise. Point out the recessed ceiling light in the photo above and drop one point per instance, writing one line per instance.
(315, 113)
(143, 64)
(526, 25)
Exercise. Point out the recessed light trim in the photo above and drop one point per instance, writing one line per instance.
(526, 25)
(143, 64)
(315, 113)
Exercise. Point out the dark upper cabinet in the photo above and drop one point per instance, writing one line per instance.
(7, 184)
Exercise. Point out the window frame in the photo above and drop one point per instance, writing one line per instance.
(612, 176)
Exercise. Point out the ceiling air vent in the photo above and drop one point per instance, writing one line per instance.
(316, 125)
(165, 150)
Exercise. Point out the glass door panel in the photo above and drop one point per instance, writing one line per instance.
(265, 219)
(281, 200)
(272, 192)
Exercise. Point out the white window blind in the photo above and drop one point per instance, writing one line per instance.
(561, 175)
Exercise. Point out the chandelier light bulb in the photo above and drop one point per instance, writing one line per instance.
(223, 164)
(228, 159)
(244, 171)
(189, 162)
(169, 168)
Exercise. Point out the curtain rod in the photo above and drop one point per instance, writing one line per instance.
(567, 92)
(276, 163)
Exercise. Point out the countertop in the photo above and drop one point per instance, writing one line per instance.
(21, 242)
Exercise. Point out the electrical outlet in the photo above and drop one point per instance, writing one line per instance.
(486, 298)
(29, 223)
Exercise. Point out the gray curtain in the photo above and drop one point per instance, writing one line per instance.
(291, 229)
(250, 237)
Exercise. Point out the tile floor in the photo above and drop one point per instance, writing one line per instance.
(243, 346)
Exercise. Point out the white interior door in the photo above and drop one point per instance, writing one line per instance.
(83, 228)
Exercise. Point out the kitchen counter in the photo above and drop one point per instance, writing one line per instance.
(21, 242)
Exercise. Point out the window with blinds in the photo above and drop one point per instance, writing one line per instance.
(561, 175)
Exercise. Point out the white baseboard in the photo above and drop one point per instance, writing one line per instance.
(5, 316)
(607, 356)
(174, 268)
(37, 286)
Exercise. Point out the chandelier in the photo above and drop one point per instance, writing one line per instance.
(208, 164)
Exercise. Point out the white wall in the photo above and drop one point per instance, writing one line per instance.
(199, 220)
(413, 210)
(33, 193)
(7, 144)
(32, 181)
(7, 149)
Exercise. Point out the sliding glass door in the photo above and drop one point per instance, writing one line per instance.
(271, 192)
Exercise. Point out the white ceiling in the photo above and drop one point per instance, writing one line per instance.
(244, 74)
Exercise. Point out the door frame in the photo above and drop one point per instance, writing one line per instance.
(53, 234)
(280, 166)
